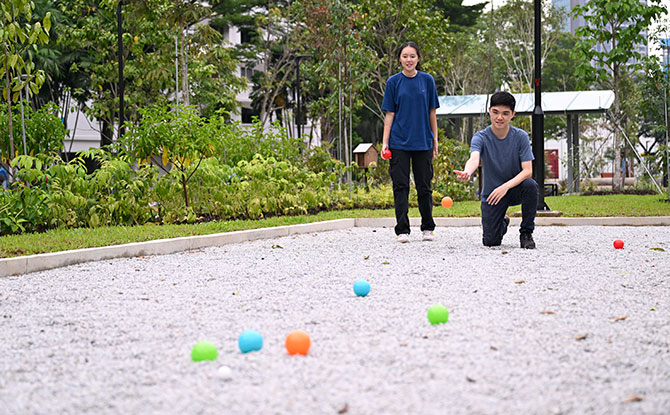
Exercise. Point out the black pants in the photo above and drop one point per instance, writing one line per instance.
(422, 166)
(493, 225)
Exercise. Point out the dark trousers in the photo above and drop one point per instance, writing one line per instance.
(493, 216)
(422, 166)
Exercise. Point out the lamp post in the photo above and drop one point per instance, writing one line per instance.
(120, 46)
(538, 113)
(24, 77)
(666, 66)
(298, 117)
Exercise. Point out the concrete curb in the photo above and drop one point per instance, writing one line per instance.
(40, 262)
(539, 221)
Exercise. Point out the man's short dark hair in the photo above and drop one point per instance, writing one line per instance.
(503, 98)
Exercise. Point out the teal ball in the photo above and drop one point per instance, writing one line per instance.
(361, 288)
(250, 341)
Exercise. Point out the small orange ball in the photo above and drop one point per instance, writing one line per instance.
(297, 342)
(447, 202)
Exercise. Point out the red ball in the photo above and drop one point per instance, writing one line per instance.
(618, 244)
(386, 154)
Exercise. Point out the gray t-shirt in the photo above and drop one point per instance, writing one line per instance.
(501, 158)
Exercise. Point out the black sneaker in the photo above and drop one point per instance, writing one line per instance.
(506, 220)
(527, 241)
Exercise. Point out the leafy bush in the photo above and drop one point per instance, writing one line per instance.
(262, 187)
(51, 194)
(45, 131)
(214, 169)
(178, 136)
(234, 142)
(452, 155)
(23, 209)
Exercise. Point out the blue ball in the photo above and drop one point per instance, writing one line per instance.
(361, 288)
(249, 341)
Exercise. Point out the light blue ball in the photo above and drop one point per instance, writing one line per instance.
(249, 341)
(361, 288)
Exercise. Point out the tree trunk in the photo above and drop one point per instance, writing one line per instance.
(11, 128)
(106, 134)
(183, 185)
(184, 69)
(616, 176)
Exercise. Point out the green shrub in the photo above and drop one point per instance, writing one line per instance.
(234, 142)
(215, 169)
(45, 131)
(180, 137)
(51, 194)
(23, 209)
(452, 155)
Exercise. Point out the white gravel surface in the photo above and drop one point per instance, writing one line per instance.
(573, 327)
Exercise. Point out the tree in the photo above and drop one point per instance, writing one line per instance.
(90, 39)
(183, 15)
(384, 26)
(460, 17)
(653, 85)
(608, 47)
(277, 54)
(88, 44)
(213, 83)
(559, 66)
(514, 26)
(469, 70)
(179, 136)
(328, 31)
(20, 36)
(558, 75)
(266, 28)
(50, 57)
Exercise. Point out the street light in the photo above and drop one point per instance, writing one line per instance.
(120, 46)
(24, 78)
(298, 111)
(666, 63)
(538, 113)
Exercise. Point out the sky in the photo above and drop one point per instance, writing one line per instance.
(653, 48)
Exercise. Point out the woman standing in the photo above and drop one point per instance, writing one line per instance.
(410, 132)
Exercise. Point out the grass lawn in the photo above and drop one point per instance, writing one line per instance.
(65, 239)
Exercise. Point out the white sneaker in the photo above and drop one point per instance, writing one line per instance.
(403, 238)
(428, 235)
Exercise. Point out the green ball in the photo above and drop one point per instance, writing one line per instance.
(204, 351)
(438, 314)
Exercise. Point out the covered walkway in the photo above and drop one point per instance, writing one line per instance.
(568, 103)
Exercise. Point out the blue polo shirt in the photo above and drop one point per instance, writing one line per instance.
(501, 158)
(411, 100)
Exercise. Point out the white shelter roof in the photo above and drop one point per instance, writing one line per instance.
(553, 103)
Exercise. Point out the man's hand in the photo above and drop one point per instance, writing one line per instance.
(463, 176)
(497, 194)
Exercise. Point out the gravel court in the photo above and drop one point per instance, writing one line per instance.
(574, 327)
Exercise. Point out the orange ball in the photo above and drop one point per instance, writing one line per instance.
(297, 342)
(447, 202)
